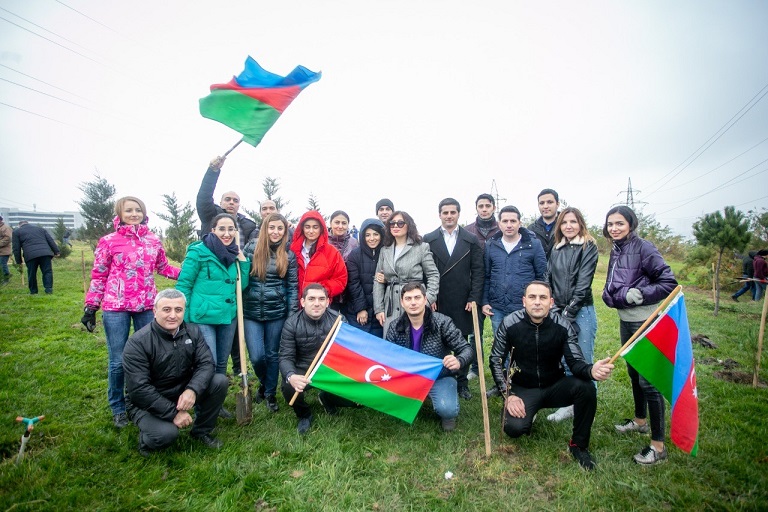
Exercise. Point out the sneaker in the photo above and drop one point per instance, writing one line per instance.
(209, 441)
(629, 425)
(144, 452)
(271, 403)
(259, 397)
(465, 393)
(472, 374)
(225, 414)
(561, 414)
(494, 391)
(582, 456)
(648, 456)
(449, 424)
(120, 420)
(304, 425)
(330, 408)
(735, 298)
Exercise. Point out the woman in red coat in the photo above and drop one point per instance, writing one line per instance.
(318, 261)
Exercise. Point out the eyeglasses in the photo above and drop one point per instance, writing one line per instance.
(398, 223)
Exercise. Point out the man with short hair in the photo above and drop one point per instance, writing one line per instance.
(6, 234)
(544, 226)
(169, 371)
(433, 334)
(38, 248)
(485, 225)
(384, 210)
(536, 339)
(459, 258)
(303, 335)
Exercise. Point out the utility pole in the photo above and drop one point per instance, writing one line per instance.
(495, 193)
(630, 195)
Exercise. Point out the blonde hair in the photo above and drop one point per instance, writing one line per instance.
(120, 204)
(262, 253)
(583, 230)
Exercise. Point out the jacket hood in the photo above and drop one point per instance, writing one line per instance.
(298, 234)
(374, 224)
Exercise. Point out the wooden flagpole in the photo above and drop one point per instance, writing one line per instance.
(648, 322)
(760, 337)
(317, 356)
(481, 377)
(82, 260)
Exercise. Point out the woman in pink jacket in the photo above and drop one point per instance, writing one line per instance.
(123, 286)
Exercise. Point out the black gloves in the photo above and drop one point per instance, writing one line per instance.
(89, 319)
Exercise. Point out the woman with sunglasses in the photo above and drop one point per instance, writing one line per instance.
(403, 258)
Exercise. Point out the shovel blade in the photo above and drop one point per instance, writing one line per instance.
(244, 407)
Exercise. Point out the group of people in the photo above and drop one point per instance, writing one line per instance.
(418, 292)
(754, 274)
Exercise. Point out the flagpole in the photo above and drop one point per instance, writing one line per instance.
(648, 322)
(232, 148)
(481, 376)
(760, 337)
(317, 356)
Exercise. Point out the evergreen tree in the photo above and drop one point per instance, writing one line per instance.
(58, 235)
(181, 230)
(271, 186)
(97, 208)
(721, 232)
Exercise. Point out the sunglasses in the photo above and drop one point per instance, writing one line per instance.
(398, 223)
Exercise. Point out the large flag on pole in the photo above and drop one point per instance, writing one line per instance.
(252, 101)
(664, 356)
(376, 373)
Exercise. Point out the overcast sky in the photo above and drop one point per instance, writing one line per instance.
(419, 100)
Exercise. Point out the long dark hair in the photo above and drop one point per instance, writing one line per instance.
(412, 232)
(624, 211)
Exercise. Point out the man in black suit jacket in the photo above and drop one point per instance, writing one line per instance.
(459, 258)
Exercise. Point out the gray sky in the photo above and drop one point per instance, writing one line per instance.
(419, 100)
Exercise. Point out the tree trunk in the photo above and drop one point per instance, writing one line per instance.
(717, 282)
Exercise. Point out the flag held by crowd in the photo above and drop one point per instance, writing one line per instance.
(376, 373)
(664, 356)
(252, 101)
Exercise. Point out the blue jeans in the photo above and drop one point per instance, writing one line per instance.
(749, 286)
(117, 325)
(372, 327)
(497, 318)
(445, 398)
(757, 294)
(586, 319)
(263, 341)
(219, 340)
(4, 266)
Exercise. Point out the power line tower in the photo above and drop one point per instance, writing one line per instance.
(495, 193)
(630, 195)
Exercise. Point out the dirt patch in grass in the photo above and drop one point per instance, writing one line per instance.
(738, 377)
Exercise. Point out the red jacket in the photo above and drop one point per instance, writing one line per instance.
(326, 266)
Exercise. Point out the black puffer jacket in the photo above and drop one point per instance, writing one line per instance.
(537, 350)
(301, 339)
(207, 209)
(361, 269)
(274, 298)
(440, 338)
(159, 367)
(34, 241)
(571, 268)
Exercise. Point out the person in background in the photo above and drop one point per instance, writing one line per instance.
(384, 209)
(38, 249)
(123, 286)
(6, 234)
(339, 234)
(638, 280)
(543, 227)
(571, 268)
(761, 271)
(748, 273)
(271, 295)
(361, 271)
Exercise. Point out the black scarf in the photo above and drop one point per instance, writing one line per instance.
(226, 254)
(484, 226)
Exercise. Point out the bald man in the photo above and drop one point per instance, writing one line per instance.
(230, 203)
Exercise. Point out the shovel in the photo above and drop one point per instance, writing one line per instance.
(244, 407)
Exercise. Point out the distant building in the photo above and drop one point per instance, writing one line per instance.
(48, 220)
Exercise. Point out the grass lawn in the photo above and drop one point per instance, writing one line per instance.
(361, 459)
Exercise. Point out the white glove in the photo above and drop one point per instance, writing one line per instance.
(634, 296)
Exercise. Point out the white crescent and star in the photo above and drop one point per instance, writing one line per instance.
(384, 378)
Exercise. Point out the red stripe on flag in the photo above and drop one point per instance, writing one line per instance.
(684, 424)
(358, 367)
(278, 98)
(664, 337)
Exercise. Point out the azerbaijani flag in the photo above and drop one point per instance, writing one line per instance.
(664, 356)
(252, 101)
(376, 373)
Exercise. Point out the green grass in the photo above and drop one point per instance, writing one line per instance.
(360, 459)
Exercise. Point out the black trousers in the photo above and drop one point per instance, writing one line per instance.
(46, 268)
(301, 407)
(156, 433)
(566, 391)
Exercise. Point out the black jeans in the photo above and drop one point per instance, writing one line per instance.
(566, 391)
(44, 264)
(301, 407)
(156, 434)
(647, 398)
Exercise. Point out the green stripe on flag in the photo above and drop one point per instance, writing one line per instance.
(367, 394)
(652, 364)
(244, 114)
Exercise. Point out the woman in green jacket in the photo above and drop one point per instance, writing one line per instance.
(208, 279)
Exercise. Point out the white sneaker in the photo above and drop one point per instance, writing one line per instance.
(561, 414)
(472, 374)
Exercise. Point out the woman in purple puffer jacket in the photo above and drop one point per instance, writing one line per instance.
(123, 286)
(638, 280)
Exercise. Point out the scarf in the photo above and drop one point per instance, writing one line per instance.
(484, 226)
(226, 254)
(340, 242)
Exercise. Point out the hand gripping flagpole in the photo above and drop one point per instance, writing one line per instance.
(648, 322)
(317, 356)
(481, 376)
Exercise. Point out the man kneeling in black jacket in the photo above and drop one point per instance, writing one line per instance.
(537, 339)
(169, 370)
